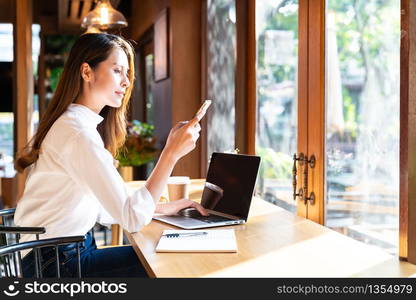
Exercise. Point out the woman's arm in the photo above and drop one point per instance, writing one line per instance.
(182, 140)
(157, 181)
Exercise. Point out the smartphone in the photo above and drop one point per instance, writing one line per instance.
(203, 109)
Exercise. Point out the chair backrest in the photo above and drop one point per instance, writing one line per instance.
(11, 259)
(10, 234)
(6, 219)
(6, 216)
(101, 234)
(10, 247)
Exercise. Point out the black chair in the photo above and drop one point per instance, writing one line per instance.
(10, 234)
(11, 260)
(98, 231)
(7, 215)
(11, 247)
(101, 233)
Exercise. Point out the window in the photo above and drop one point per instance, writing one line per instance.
(276, 142)
(221, 65)
(363, 120)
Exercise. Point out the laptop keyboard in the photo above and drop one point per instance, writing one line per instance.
(207, 219)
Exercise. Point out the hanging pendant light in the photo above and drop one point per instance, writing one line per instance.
(92, 29)
(104, 17)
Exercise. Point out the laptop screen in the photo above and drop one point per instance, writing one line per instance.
(230, 183)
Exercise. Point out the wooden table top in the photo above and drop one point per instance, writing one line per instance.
(273, 243)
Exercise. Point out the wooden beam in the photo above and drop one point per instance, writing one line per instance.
(407, 226)
(204, 91)
(86, 8)
(23, 83)
(74, 10)
(302, 100)
(316, 108)
(68, 20)
(245, 78)
(240, 77)
(251, 116)
(42, 76)
(62, 13)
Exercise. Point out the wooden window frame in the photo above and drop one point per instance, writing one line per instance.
(311, 104)
(407, 219)
(315, 90)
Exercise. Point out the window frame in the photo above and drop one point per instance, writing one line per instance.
(311, 99)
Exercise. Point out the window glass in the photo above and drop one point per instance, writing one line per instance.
(277, 65)
(221, 65)
(363, 120)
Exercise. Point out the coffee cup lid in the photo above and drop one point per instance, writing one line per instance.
(178, 180)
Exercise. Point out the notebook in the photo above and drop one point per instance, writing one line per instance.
(197, 241)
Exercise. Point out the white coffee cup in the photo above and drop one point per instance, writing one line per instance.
(178, 187)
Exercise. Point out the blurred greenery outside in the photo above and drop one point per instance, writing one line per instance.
(276, 163)
(359, 42)
(57, 49)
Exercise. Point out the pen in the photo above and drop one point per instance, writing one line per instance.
(174, 235)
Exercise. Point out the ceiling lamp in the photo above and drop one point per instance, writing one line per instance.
(104, 17)
(93, 29)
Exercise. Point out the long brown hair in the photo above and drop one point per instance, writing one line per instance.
(91, 48)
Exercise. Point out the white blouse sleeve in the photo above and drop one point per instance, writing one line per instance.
(92, 167)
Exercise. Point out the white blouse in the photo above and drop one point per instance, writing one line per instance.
(74, 183)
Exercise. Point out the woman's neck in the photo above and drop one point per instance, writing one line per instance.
(82, 100)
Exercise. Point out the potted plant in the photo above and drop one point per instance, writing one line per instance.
(139, 148)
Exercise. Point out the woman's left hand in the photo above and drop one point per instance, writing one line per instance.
(171, 208)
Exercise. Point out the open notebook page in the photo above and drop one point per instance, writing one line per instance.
(221, 240)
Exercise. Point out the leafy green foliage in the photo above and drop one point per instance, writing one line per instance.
(139, 147)
(55, 76)
(141, 129)
(275, 165)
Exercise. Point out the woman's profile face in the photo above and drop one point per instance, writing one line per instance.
(111, 79)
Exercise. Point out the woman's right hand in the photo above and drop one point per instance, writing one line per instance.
(183, 137)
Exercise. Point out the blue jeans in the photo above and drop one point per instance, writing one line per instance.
(107, 262)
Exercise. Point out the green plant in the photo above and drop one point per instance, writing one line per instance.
(275, 165)
(55, 75)
(137, 128)
(139, 147)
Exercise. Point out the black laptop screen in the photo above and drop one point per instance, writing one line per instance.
(230, 183)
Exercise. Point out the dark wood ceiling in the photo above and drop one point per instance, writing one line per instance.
(59, 16)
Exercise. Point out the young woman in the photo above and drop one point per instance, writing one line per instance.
(72, 181)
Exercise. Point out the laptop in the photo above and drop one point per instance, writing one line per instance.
(227, 193)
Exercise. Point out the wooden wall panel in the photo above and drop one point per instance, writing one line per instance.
(186, 73)
(182, 89)
(6, 11)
